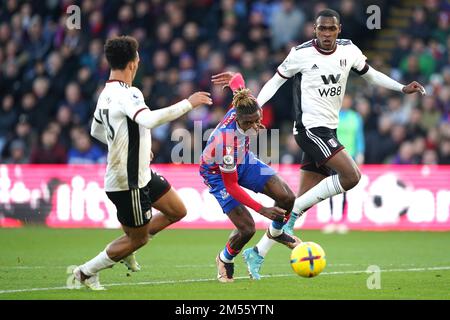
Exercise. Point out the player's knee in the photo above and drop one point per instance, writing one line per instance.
(181, 212)
(351, 179)
(287, 200)
(247, 232)
(356, 177)
(177, 213)
(140, 241)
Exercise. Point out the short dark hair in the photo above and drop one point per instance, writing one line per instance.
(120, 51)
(329, 13)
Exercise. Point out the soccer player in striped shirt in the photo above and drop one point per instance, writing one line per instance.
(227, 165)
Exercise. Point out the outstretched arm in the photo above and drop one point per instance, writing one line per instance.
(270, 88)
(150, 119)
(375, 77)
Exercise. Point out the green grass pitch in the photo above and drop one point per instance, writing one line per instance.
(180, 264)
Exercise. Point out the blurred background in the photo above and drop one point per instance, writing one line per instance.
(50, 76)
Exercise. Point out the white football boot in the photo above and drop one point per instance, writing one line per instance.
(131, 263)
(93, 282)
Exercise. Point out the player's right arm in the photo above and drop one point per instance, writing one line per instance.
(137, 110)
(228, 171)
(98, 130)
(285, 71)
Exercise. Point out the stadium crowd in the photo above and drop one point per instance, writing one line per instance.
(50, 75)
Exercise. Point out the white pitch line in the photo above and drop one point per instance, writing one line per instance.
(213, 279)
(196, 266)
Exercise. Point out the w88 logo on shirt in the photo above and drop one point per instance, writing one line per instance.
(330, 91)
(333, 91)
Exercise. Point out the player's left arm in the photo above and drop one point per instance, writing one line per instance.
(375, 77)
(98, 130)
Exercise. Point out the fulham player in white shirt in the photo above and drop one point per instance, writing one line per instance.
(320, 68)
(123, 122)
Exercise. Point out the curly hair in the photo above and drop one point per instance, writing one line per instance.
(120, 51)
(244, 101)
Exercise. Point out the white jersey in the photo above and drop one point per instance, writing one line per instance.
(320, 80)
(129, 144)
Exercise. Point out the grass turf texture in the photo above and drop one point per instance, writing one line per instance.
(180, 264)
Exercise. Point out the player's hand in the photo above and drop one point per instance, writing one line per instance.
(414, 87)
(273, 213)
(222, 79)
(199, 98)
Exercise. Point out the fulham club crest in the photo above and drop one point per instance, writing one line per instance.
(343, 63)
(332, 143)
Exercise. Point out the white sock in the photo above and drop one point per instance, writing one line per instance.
(274, 232)
(264, 245)
(100, 262)
(326, 188)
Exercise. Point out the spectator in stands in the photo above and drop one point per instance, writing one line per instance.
(8, 118)
(286, 24)
(25, 132)
(57, 73)
(18, 154)
(28, 106)
(431, 115)
(350, 130)
(430, 157)
(401, 50)
(73, 99)
(352, 21)
(413, 127)
(442, 32)
(380, 142)
(444, 152)
(48, 149)
(92, 58)
(419, 26)
(45, 100)
(38, 43)
(419, 146)
(398, 113)
(83, 150)
(410, 69)
(405, 154)
(64, 119)
(87, 82)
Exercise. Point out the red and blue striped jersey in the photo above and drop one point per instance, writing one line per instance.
(227, 146)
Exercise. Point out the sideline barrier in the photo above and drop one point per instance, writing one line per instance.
(388, 197)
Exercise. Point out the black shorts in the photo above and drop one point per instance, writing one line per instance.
(134, 207)
(318, 145)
